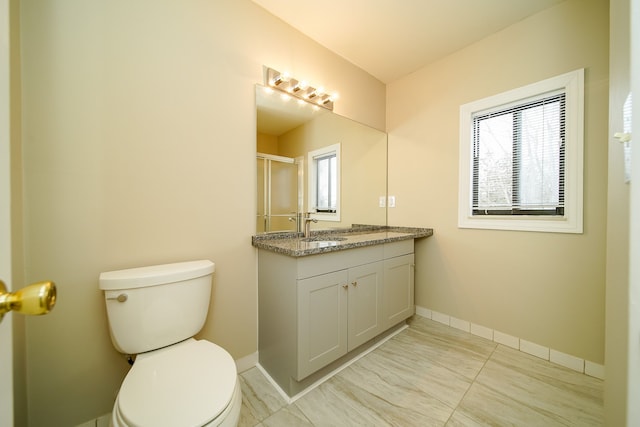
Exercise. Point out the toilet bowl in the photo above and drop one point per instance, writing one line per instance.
(192, 383)
(175, 380)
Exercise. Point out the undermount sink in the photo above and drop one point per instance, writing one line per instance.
(323, 239)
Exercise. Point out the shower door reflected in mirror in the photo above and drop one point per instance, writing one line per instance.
(277, 194)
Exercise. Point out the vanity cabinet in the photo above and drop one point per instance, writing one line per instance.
(337, 312)
(314, 310)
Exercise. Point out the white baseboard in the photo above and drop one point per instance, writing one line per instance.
(102, 421)
(247, 362)
(554, 356)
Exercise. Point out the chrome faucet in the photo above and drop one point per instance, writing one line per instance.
(307, 223)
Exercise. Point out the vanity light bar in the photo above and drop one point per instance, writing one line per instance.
(299, 89)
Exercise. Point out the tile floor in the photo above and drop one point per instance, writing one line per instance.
(434, 375)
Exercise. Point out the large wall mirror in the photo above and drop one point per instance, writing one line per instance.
(294, 139)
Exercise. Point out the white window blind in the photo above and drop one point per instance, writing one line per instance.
(323, 197)
(326, 185)
(519, 158)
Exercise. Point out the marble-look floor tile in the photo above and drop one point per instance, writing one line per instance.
(381, 380)
(483, 406)
(458, 419)
(331, 404)
(448, 336)
(247, 419)
(289, 416)
(395, 372)
(259, 398)
(464, 360)
(588, 389)
(434, 375)
(358, 406)
(516, 388)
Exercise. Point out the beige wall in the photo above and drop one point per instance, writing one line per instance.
(137, 118)
(267, 144)
(363, 166)
(545, 288)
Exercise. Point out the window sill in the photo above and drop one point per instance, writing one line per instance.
(326, 216)
(547, 224)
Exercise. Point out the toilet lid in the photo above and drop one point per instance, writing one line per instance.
(186, 384)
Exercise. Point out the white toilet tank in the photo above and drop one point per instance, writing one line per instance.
(153, 307)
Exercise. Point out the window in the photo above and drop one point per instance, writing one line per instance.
(324, 183)
(518, 159)
(521, 158)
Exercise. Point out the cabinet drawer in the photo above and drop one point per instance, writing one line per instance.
(395, 249)
(315, 265)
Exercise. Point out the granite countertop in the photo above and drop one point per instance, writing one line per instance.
(321, 241)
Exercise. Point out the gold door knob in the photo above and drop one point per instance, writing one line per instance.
(38, 298)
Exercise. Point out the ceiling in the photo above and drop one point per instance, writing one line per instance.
(392, 38)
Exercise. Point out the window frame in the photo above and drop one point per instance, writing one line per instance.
(312, 157)
(571, 220)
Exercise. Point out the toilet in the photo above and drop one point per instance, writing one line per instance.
(154, 313)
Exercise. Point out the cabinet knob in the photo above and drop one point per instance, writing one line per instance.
(354, 283)
(346, 286)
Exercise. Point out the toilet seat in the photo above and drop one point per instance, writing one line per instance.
(186, 384)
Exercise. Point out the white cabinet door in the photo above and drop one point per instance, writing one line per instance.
(398, 289)
(322, 321)
(365, 303)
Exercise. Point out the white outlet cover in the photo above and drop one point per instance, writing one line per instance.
(392, 201)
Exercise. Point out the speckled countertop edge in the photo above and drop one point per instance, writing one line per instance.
(291, 243)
